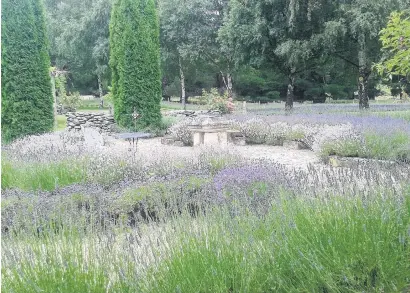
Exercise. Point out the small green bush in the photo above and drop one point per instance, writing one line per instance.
(215, 101)
(336, 91)
(61, 122)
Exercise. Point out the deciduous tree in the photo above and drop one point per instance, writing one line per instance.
(291, 36)
(395, 38)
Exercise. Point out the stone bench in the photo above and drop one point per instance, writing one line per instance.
(210, 136)
(211, 130)
(216, 136)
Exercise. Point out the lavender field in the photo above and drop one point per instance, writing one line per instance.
(77, 218)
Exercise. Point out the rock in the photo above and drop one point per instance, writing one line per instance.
(167, 140)
(178, 143)
(291, 144)
(99, 121)
(239, 141)
(303, 146)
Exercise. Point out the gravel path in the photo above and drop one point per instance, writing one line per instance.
(293, 158)
(282, 155)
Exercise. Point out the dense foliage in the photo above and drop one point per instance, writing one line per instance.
(135, 64)
(258, 50)
(396, 41)
(78, 32)
(27, 102)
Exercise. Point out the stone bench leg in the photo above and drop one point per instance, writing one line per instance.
(223, 138)
(198, 138)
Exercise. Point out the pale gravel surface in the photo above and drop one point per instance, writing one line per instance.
(51, 145)
(286, 156)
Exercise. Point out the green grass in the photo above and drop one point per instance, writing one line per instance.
(64, 264)
(179, 106)
(40, 176)
(342, 244)
(93, 104)
(61, 122)
(395, 114)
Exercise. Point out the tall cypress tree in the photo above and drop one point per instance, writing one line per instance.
(134, 60)
(27, 102)
(116, 51)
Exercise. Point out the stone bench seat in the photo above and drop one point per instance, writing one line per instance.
(209, 130)
(214, 136)
(212, 131)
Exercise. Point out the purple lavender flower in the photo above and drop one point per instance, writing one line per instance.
(243, 176)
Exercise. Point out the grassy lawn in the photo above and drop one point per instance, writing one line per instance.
(61, 122)
(105, 111)
(395, 114)
(93, 104)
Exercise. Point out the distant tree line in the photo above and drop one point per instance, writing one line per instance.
(259, 50)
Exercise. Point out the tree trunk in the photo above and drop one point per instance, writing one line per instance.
(364, 73)
(182, 78)
(229, 85)
(100, 90)
(363, 92)
(227, 80)
(290, 94)
(53, 88)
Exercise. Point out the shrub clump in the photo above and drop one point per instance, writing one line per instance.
(301, 245)
(181, 132)
(216, 101)
(258, 131)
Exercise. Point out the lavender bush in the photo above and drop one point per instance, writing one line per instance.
(344, 135)
(180, 131)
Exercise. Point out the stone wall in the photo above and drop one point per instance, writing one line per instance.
(104, 122)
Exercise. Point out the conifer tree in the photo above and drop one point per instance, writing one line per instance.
(134, 60)
(27, 102)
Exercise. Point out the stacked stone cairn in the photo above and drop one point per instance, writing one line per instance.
(103, 122)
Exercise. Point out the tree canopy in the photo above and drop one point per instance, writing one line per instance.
(263, 50)
(78, 32)
(395, 38)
